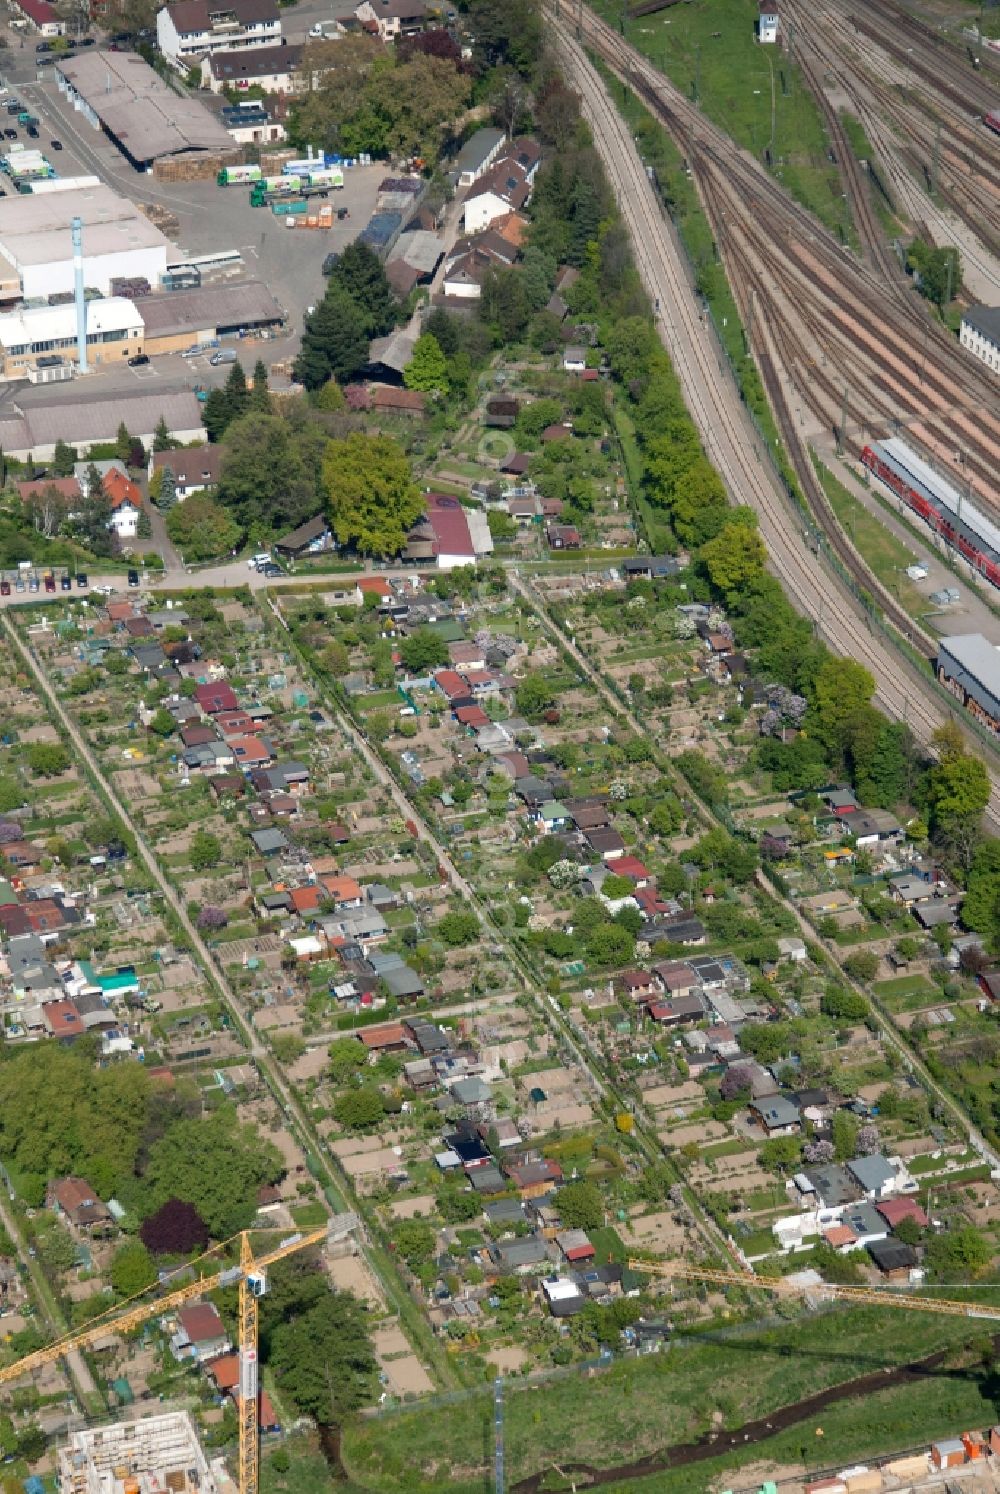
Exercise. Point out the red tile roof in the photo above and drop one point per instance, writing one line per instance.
(451, 683)
(216, 696)
(387, 1035)
(225, 1371)
(39, 11)
(446, 517)
(895, 1209)
(66, 487)
(249, 750)
(201, 1322)
(62, 1019)
(376, 586)
(472, 716)
(121, 490)
(304, 899)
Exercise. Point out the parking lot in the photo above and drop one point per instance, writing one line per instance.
(210, 218)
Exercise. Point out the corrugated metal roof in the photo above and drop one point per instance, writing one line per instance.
(245, 304)
(977, 656)
(137, 107)
(82, 420)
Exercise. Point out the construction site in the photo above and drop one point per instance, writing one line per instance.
(155, 1455)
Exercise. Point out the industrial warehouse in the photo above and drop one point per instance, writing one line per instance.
(969, 666)
(120, 94)
(118, 242)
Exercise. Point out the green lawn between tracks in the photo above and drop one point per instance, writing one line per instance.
(645, 1406)
(708, 48)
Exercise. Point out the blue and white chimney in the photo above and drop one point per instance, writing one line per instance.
(76, 229)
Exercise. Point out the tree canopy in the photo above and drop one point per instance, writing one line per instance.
(316, 1341)
(215, 1164)
(202, 529)
(373, 499)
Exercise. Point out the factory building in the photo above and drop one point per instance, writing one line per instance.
(969, 666)
(114, 333)
(35, 419)
(181, 319)
(146, 1456)
(120, 94)
(118, 242)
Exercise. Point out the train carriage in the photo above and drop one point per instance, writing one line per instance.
(956, 517)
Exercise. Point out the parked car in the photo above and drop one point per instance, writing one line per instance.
(133, 578)
(138, 360)
(32, 132)
(50, 583)
(270, 569)
(10, 134)
(81, 580)
(56, 144)
(44, 47)
(4, 588)
(34, 584)
(66, 582)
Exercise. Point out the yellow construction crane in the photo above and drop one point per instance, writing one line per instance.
(251, 1273)
(783, 1287)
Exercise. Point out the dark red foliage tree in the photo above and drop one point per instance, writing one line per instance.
(175, 1229)
(435, 43)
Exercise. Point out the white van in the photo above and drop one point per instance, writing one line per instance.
(256, 561)
(224, 355)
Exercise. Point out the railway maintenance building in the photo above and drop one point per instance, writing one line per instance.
(969, 666)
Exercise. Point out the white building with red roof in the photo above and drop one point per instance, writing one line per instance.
(461, 536)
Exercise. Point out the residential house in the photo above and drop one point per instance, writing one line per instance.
(216, 696)
(777, 1114)
(200, 1333)
(523, 1257)
(195, 468)
(503, 189)
(188, 30)
(878, 1178)
(75, 1201)
(550, 816)
(532, 1179)
(126, 503)
(638, 984)
(274, 69)
(389, 19)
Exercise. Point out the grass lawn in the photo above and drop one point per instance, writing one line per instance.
(887, 557)
(644, 1406)
(708, 49)
(907, 993)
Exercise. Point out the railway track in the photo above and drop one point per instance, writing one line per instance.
(901, 368)
(731, 442)
(940, 124)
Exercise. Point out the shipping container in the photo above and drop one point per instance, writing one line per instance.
(292, 205)
(238, 176)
